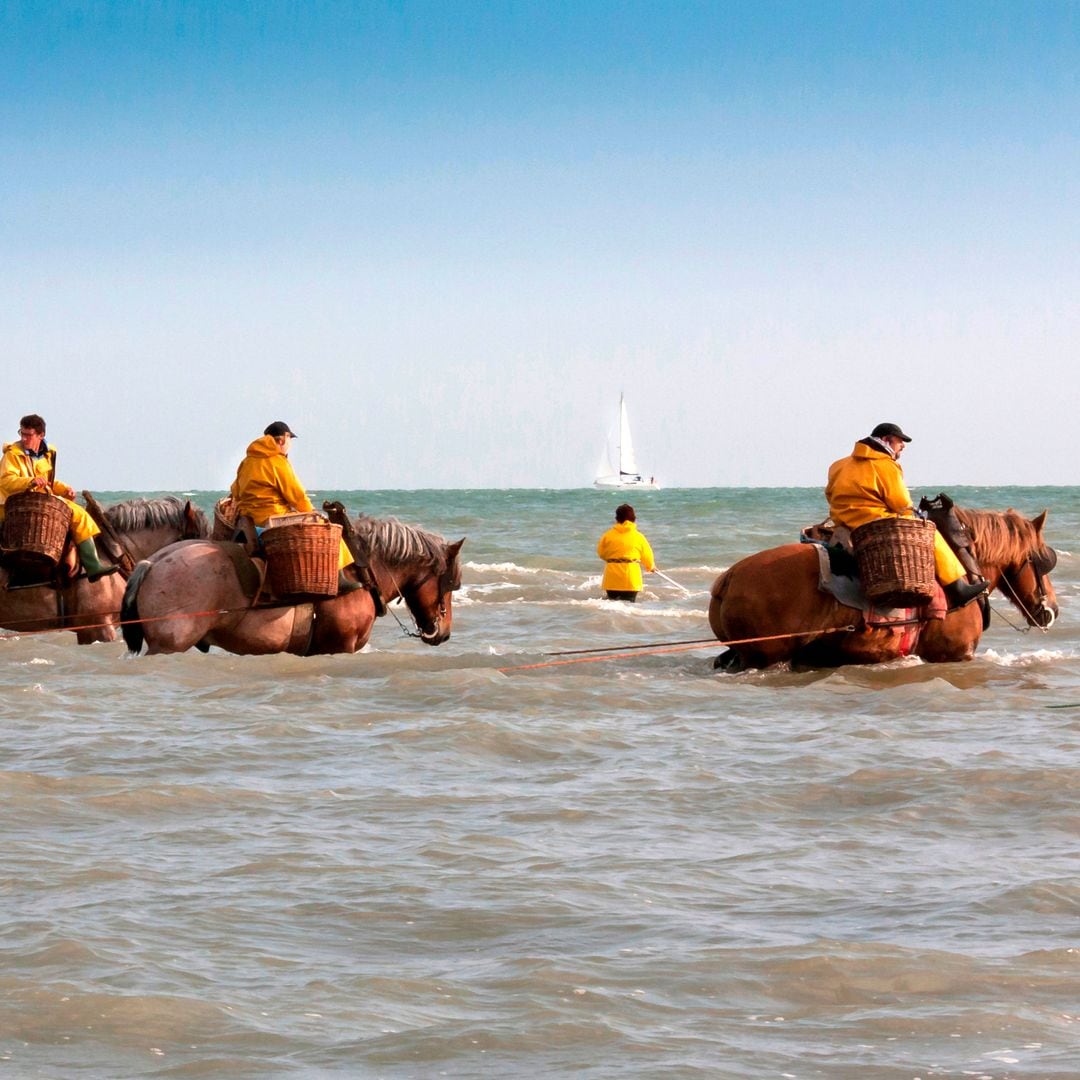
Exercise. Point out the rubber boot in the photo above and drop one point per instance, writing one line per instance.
(961, 592)
(91, 564)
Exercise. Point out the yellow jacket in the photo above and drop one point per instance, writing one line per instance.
(17, 472)
(265, 483)
(625, 551)
(867, 485)
(18, 469)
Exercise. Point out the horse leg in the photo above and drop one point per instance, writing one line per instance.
(96, 609)
(730, 661)
(953, 638)
(343, 624)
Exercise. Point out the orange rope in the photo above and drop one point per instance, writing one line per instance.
(118, 622)
(685, 647)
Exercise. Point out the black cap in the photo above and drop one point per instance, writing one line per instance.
(889, 429)
(279, 428)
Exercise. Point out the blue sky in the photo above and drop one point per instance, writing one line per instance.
(439, 238)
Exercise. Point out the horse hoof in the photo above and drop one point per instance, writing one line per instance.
(729, 660)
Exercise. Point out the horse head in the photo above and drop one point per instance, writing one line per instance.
(143, 526)
(429, 597)
(1017, 560)
(418, 566)
(1027, 579)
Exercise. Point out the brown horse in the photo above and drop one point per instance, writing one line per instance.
(201, 593)
(773, 597)
(132, 529)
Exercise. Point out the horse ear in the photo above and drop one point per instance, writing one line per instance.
(1039, 522)
(453, 549)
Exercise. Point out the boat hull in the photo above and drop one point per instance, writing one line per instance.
(622, 483)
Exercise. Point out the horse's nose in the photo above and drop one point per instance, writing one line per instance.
(1046, 616)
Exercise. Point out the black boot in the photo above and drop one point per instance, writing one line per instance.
(345, 585)
(961, 592)
(93, 566)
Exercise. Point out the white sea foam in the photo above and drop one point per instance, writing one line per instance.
(1028, 659)
(508, 568)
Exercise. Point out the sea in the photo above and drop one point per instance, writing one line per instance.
(504, 857)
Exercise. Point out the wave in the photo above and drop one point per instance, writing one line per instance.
(1035, 658)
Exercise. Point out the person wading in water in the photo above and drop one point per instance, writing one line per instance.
(624, 551)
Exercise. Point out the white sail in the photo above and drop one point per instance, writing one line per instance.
(627, 461)
(627, 474)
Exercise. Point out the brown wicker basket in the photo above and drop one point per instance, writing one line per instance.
(302, 560)
(896, 560)
(35, 527)
(224, 519)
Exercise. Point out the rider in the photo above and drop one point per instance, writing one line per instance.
(265, 485)
(869, 484)
(624, 551)
(30, 465)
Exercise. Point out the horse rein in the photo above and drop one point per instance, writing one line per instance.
(1041, 564)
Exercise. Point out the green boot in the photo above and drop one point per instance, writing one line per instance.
(91, 564)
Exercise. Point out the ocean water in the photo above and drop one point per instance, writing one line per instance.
(450, 862)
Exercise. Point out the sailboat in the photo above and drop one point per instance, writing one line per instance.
(627, 475)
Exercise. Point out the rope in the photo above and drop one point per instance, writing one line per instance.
(401, 599)
(1020, 604)
(686, 646)
(648, 645)
(117, 622)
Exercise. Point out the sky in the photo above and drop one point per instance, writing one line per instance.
(439, 238)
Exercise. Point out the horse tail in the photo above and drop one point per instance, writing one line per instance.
(129, 609)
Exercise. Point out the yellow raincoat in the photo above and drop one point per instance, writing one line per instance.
(625, 551)
(17, 472)
(869, 484)
(265, 485)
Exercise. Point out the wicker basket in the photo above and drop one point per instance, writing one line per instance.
(302, 559)
(224, 519)
(35, 527)
(896, 560)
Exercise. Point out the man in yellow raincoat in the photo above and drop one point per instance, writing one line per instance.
(265, 485)
(869, 484)
(624, 551)
(30, 465)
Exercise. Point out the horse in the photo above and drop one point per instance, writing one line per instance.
(131, 531)
(200, 593)
(772, 598)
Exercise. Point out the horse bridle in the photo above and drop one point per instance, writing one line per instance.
(1042, 562)
(445, 583)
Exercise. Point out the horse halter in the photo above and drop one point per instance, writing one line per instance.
(1041, 562)
(445, 581)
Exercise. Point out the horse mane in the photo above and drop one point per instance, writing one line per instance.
(160, 513)
(1000, 537)
(400, 543)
